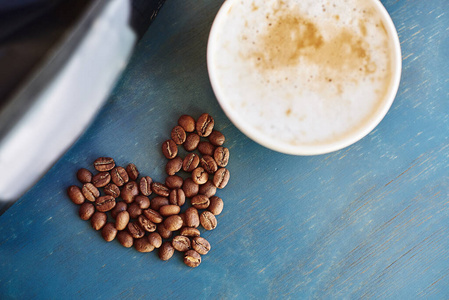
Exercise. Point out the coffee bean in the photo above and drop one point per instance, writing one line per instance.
(169, 149)
(101, 179)
(208, 220)
(135, 230)
(163, 231)
(181, 243)
(208, 163)
(105, 203)
(112, 189)
(143, 245)
(125, 239)
(177, 197)
(142, 201)
(119, 207)
(216, 205)
(75, 194)
(98, 220)
(86, 211)
(208, 189)
(173, 223)
(146, 224)
(166, 251)
(132, 171)
(145, 185)
(155, 239)
(174, 182)
(187, 123)
(200, 201)
(190, 162)
(206, 148)
(192, 142)
(134, 210)
(129, 191)
(188, 231)
(119, 176)
(84, 175)
(169, 210)
(221, 178)
(109, 232)
(122, 220)
(104, 164)
(158, 202)
(200, 176)
(216, 138)
(221, 156)
(190, 188)
(200, 245)
(173, 166)
(160, 189)
(192, 258)
(90, 192)
(178, 135)
(204, 125)
(153, 215)
(192, 217)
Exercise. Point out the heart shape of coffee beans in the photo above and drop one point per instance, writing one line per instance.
(149, 215)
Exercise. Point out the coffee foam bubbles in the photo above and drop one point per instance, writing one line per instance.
(303, 72)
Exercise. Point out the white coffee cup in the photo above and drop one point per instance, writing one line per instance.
(304, 77)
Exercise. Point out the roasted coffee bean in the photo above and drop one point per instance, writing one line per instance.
(160, 189)
(86, 211)
(75, 194)
(112, 189)
(173, 223)
(146, 224)
(163, 231)
(109, 232)
(142, 201)
(208, 220)
(84, 175)
(119, 207)
(221, 178)
(187, 123)
(178, 135)
(190, 188)
(119, 176)
(101, 179)
(181, 243)
(132, 171)
(105, 203)
(200, 245)
(208, 163)
(216, 138)
(208, 189)
(145, 185)
(158, 202)
(129, 191)
(143, 245)
(192, 258)
(200, 176)
(135, 230)
(169, 149)
(191, 142)
(98, 220)
(216, 205)
(200, 201)
(104, 164)
(125, 239)
(174, 182)
(177, 197)
(189, 231)
(122, 220)
(166, 251)
(204, 125)
(192, 217)
(190, 162)
(173, 166)
(134, 210)
(169, 210)
(206, 148)
(155, 239)
(153, 215)
(221, 156)
(90, 192)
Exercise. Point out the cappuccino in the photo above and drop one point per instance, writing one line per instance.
(309, 74)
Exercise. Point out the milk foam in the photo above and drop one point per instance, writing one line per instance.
(303, 72)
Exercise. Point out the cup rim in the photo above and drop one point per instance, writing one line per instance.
(316, 149)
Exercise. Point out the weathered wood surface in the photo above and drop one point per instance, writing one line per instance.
(369, 221)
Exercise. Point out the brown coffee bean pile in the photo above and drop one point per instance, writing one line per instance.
(146, 214)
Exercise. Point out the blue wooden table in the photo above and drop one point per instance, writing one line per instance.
(370, 221)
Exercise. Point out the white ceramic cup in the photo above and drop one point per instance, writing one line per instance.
(304, 77)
